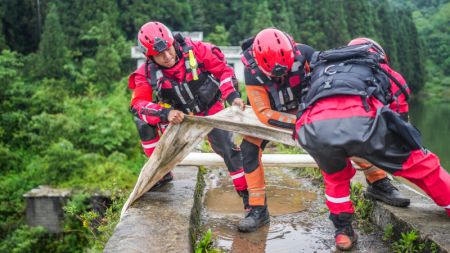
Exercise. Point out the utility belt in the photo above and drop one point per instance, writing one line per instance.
(196, 96)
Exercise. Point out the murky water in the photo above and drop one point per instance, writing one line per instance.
(299, 217)
(433, 120)
(283, 200)
(279, 236)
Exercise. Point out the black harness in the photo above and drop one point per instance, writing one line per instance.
(284, 98)
(350, 70)
(193, 96)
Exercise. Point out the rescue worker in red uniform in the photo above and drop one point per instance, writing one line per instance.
(276, 70)
(187, 77)
(344, 112)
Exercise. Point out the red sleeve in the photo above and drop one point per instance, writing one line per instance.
(399, 104)
(142, 104)
(214, 62)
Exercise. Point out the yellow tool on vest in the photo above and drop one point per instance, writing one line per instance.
(164, 105)
(193, 64)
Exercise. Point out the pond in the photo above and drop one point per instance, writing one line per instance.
(433, 120)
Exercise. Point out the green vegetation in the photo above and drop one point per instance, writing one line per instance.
(363, 207)
(96, 227)
(286, 149)
(64, 98)
(205, 245)
(432, 19)
(388, 232)
(408, 243)
(313, 173)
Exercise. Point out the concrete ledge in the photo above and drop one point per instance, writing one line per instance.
(160, 220)
(423, 216)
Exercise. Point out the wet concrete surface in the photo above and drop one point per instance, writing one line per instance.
(299, 217)
(160, 221)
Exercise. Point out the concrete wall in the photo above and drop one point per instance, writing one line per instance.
(44, 207)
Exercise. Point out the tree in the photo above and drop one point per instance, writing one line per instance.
(52, 52)
(308, 26)
(108, 57)
(244, 20)
(360, 18)
(198, 16)
(262, 18)
(3, 44)
(20, 24)
(333, 20)
(176, 14)
(284, 20)
(219, 37)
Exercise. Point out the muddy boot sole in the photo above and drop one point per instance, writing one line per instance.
(391, 202)
(354, 240)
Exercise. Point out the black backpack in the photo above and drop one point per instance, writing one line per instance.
(349, 70)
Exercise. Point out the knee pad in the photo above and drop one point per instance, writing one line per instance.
(146, 132)
(250, 154)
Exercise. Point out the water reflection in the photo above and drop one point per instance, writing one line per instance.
(278, 236)
(433, 120)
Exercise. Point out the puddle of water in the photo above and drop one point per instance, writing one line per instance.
(278, 236)
(281, 200)
(286, 199)
(299, 218)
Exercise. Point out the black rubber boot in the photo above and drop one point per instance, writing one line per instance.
(383, 190)
(345, 236)
(164, 180)
(257, 217)
(244, 195)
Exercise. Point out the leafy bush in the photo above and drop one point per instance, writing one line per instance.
(409, 243)
(25, 239)
(363, 207)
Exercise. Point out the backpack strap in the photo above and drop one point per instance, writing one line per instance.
(402, 88)
(247, 43)
(153, 74)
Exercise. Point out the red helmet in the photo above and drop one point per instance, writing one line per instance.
(376, 48)
(153, 38)
(273, 51)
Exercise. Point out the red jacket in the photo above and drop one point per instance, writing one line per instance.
(209, 59)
